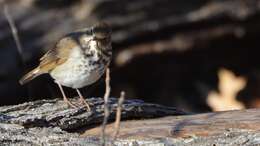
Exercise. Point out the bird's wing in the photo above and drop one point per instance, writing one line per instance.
(58, 55)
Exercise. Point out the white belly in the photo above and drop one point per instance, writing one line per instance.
(76, 72)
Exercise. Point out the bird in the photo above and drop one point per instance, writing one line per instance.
(77, 60)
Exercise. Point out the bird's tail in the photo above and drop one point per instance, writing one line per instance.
(30, 75)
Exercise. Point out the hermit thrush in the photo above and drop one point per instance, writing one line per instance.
(78, 59)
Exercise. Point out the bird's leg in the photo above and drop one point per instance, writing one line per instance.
(82, 100)
(64, 96)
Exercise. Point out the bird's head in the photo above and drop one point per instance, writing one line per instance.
(101, 31)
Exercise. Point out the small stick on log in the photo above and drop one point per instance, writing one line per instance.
(118, 115)
(106, 108)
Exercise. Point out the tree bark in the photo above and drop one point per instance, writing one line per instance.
(50, 122)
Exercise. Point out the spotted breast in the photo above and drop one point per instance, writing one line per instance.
(85, 64)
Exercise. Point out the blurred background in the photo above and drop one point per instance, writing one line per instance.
(196, 55)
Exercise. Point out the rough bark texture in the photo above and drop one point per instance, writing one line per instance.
(50, 122)
(46, 113)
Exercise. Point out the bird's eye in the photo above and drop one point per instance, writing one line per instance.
(100, 35)
(101, 31)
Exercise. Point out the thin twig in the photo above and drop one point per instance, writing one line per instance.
(106, 108)
(118, 115)
(17, 41)
(14, 33)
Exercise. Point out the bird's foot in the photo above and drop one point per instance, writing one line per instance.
(85, 103)
(70, 104)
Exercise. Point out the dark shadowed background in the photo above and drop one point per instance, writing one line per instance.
(165, 51)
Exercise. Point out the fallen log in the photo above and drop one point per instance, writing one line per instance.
(50, 122)
(213, 128)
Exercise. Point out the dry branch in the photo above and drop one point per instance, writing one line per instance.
(14, 32)
(118, 115)
(106, 108)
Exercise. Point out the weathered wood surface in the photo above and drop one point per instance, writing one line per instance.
(50, 122)
(45, 113)
(210, 129)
